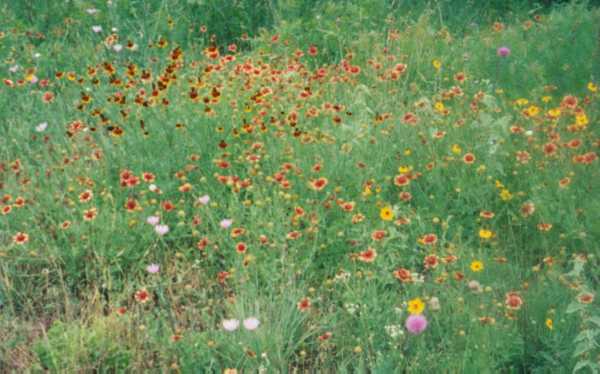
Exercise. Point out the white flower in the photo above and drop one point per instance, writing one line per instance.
(14, 68)
(153, 220)
(37, 55)
(251, 323)
(161, 229)
(204, 199)
(91, 11)
(117, 47)
(152, 187)
(41, 127)
(231, 324)
(114, 29)
(97, 29)
(226, 223)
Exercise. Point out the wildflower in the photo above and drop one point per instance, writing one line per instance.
(304, 304)
(475, 286)
(403, 275)
(142, 296)
(431, 262)
(97, 29)
(477, 266)
(90, 214)
(251, 323)
(513, 301)
(153, 268)
(386, 213)
(429, 239)
(20, 238)
(241, 247)
(368, 255)
(505, 195)
(230, 324)
(318, 184)
(204, 199)
(41, 127)
(486, 234)
(527, 209)
(434, 303)
(549, 324)
(437, 64)
(416, 306)
(226, 223)
(161, 229)
(469, 158)
(153, 220)
(592, 87)
(503, 51)
(416, 324)
(586, 298)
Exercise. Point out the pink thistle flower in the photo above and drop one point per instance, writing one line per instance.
(161, 229)
(416, 324)
(153, 268)
(503, 51)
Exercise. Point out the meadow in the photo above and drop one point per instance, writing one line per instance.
(299, 186)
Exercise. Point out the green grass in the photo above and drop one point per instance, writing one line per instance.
(255, 134)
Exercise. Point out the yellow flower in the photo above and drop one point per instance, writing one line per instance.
(521, 102)
(592, 87)
(554, 113)
(386, 213)
(456, 149)
(416, 306)
(499, 184)
(486, 234)
(404, 169)
(439, 106)
(546, 99)
(505, 195)
(437, 64)
(581, 120)
(549, 323)
(533, 111)
(407, 152)
(477, 266)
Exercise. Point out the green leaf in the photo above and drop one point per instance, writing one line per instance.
(581, 364)
(575, 307)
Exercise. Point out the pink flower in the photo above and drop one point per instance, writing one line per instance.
(161, 229)
(226, 223)
(153, 268)
(153, 220)
(230, 324)
(251, 323)
(204, 199)
(416, 324)
(503, 51)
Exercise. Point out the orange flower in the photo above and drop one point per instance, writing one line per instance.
(513, 301)
(20, 238)
(367, 256)
(318, 184)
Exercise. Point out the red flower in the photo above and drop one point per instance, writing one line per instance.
(142, 296)
(241, 247)
(20, 238)
(513, 301)
(319, 184)
(378, 235)
(431, 261)
(401, 180)
(403, 275)
(304, 304)
(367, 256)
(469, 158)
(429, 239)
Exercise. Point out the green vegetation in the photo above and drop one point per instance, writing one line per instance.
(276, 186)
